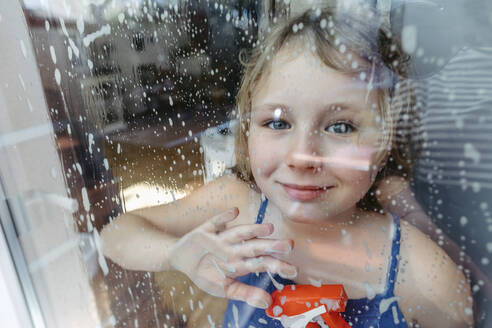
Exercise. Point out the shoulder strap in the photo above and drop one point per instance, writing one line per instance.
(261, 212)
(395, 255)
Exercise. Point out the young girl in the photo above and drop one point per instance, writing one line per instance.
(317, 135)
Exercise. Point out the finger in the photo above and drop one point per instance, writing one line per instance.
(254, 296)
(258, 247)
(218, 222)
(242, 232)
(263, 264)
(211, 245)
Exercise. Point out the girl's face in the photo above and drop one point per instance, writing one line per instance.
(314, 137)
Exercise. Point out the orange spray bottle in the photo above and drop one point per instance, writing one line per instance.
(297, 305)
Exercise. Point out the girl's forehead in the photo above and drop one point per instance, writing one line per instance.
(341, 56)
(297, 72)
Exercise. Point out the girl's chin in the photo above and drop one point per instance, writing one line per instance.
(308, 217)
(315, 215)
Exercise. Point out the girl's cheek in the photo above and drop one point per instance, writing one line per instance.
(260, 156)
(353, 157)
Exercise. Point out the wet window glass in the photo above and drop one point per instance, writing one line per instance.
(265, 163)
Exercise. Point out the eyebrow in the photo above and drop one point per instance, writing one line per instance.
(271, 107)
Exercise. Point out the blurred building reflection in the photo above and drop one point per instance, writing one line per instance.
(132, 85)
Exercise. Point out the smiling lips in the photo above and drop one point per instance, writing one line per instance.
(303, 192)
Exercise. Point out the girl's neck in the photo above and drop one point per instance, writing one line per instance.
(345, 220)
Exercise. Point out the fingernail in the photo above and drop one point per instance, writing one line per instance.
(270, 227)
(288, 273)
(258, 302)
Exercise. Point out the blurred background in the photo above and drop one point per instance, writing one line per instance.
(109, 106)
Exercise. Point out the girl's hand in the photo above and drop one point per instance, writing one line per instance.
(212, 256)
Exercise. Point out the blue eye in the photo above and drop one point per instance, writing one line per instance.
(278, 125)
(341, 128)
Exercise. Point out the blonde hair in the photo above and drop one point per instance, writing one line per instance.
(334, 34)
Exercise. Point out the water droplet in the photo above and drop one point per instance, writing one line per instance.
(90, 138)
(277, 310)
(21, 80)
(315, 282)
(80, 25)
(29, 105)
(53, 54)
(471, 152)
(370, 292)
(489, 247)
(69, 50)
(210, 321)
(409, 38)
(23, 48)
(57, 76)
(105, 30)
(85, 199)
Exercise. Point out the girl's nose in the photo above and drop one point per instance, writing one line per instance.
(304, 161)
(302, 155)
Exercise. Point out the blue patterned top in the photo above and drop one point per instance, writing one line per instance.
(380, 311)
